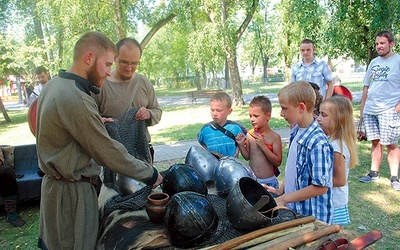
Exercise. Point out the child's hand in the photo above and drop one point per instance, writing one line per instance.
(259, 140)
(271, 189)
(277, 191)
(240, 138)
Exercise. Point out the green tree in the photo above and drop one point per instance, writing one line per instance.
(166, 55)
(261, 35)
(299, 19)
(4, 9)
(54, 26)
(355, 23)
(250, 54)
(206, 51)
(231, 19)
(198, 45)
(289, 39)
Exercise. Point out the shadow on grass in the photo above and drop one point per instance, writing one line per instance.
(374, 206)
(177, 133)
(17, 117)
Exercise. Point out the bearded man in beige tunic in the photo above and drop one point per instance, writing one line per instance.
(72, 142)
(125, 89)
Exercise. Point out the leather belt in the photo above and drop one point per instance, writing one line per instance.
(91, 180)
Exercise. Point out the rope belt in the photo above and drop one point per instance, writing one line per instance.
(91, 180)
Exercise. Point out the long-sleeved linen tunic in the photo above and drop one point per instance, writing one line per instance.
(71, 139)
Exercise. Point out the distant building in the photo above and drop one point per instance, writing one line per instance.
(342, 66)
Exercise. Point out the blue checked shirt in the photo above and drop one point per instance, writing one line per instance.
(314, 166)
(317, 72)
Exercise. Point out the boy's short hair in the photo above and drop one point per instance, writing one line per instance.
(222, 97)
(263, 102)
(40, 70)
(297, 92)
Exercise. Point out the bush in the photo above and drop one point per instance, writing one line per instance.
(278, 77)
(180, 85)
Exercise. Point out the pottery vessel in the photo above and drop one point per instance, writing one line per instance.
(155, 206)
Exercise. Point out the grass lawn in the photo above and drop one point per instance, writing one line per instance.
(373, 206)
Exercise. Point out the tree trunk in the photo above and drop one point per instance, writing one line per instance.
(371, 49)
(235, 78)
(3, 110)
(37, 22)
(214, 77)
(119, 19)
(197, 80)
(265, 60)
(227, 78)
(60, 47)
(203, 68)
(154, 30)
(230, 43)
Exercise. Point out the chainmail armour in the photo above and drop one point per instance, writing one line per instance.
(132, 134)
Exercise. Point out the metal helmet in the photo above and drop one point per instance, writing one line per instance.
(189, 219)
(229, 170)
(127, 185)
(203, 161)
(249, 204)
(183, 177)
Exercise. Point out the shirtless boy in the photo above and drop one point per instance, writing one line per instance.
(262, 146)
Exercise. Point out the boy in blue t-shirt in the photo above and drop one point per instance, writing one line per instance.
(218, 136)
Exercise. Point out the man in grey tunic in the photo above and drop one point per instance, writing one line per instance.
(71, 139)
(126, 89)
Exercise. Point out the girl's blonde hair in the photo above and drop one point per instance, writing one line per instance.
(342, 125)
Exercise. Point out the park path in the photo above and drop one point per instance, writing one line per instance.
(164, 152)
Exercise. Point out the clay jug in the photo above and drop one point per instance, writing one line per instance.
(155, 206)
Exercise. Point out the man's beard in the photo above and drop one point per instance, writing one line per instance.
(385, 54)
(93, 75)
(125, 78)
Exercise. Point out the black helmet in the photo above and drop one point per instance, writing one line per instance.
(189, 219)
(183, 177)
(249, 205)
